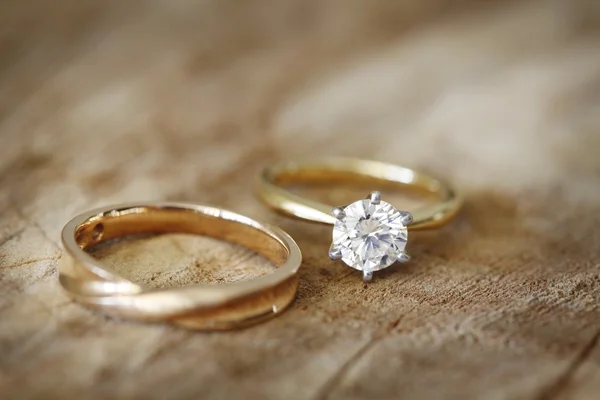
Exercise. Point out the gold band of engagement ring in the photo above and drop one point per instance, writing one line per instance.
(203, 306)
(369, 234)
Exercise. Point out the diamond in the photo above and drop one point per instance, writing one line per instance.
(369, 235)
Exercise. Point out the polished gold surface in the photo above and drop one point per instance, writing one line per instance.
(210, 307)
(272, 181)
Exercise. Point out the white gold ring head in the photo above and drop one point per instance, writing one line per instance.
(370, 235)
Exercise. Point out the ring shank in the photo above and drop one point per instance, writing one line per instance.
(273, 179)
(211, 307)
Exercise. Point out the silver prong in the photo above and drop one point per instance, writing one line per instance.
(339, 213)
(406, 218)
(367, 276)
(375, 197)
(403, 257)
(335, 253)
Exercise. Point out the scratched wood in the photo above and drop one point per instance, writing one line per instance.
(108, 102)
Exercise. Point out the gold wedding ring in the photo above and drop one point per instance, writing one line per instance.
(368, 234)
(203, 306)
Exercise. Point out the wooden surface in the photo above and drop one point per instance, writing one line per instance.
(106, 102)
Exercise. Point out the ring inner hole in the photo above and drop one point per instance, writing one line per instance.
(178, 247)
(338, 189)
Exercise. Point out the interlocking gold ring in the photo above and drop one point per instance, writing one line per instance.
(369, 234)
(207, 307)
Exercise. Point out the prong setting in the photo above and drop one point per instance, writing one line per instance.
(375, 197)
(403, 257)
(407, 218)
(335, 254)
(338, 213)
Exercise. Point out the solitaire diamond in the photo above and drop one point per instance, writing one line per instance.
(370, 235)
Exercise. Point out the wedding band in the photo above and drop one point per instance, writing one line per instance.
(370, 234)
(202, 306)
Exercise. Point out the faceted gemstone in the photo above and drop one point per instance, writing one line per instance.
(370, 236)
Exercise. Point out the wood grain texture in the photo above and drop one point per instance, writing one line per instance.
(108, 102)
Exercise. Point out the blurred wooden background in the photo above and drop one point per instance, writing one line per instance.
(106, 101)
